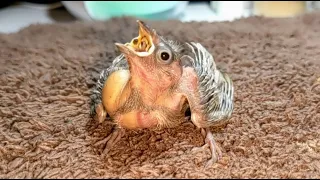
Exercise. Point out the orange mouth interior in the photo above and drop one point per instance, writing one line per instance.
(142, 43)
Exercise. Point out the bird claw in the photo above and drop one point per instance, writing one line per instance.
(209, 163)
(216, 153)
(110, 140)
(215, 157)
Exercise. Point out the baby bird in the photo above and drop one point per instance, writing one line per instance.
(154, 81)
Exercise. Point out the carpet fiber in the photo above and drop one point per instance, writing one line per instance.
(47, 71)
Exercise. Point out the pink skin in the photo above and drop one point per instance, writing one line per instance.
(155, 81)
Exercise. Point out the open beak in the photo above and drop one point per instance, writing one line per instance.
(144, 42)
(144, 30)
(143, 45)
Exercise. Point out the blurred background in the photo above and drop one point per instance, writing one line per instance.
(15, 15)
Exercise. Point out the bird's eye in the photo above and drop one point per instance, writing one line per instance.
(165, 55)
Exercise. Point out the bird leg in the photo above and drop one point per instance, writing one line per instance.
(216, 153)
(110, 140)
(189, 86)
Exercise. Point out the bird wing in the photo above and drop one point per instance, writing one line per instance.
(211, 100)
(119, 63)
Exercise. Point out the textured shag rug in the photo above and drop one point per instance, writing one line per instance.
(47, 72)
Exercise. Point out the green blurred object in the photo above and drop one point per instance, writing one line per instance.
(103, 10)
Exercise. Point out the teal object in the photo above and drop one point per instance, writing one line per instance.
(103, 10)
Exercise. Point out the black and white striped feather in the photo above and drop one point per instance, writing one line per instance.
(215, 88)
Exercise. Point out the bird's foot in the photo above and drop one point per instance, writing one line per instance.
(216, 153)
(110, 140)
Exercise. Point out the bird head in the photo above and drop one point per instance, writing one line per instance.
(152, 59)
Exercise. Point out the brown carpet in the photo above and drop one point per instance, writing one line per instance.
(47, 71)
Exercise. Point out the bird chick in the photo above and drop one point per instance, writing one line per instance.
(154, 81)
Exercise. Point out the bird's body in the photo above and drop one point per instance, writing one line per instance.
(154, 81)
